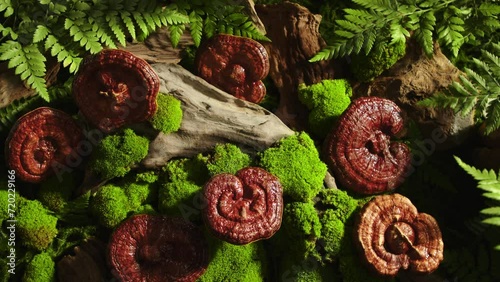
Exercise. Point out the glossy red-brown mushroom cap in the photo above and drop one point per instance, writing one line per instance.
(114, 88)
(234, 64)
(40, 139)
(245, 207)
(360, 151)
(392, 235)
(156, 248)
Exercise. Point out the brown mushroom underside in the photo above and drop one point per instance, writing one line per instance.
(392, 235)
(38, 140)
(245, 207)
(114, 88)
(157, 248)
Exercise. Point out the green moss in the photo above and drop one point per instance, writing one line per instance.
(140, 188)
(300, 228)
(184, 180)
(55, 193)
(116, 153)
(332, 233)
(326, 100)
(295, 161)
(168, 116)
(341, 205)
(37, 227)
(193, 170)
(227, 158)
(110, 205)
(235, 263)
(40, 269)
(308, 270)
(367, 67)
(177, 198)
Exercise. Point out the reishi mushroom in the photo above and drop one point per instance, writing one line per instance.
(360, 151)
(245, 207)
(114, 88)
(234, 64)
(392, 235)
(157, 248)
(39, 139)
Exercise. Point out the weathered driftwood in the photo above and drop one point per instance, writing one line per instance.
(295, 38)
(211, 116)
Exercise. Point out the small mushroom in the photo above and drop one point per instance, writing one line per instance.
(114, 88)
(392, 235)
(157, 248)
(234, 64)
(245, 207)
(39, 139)
(360, 152)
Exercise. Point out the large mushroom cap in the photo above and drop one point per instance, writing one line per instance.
(156, 248)
(360, 151)
(235, 64)
(114, 88)
(392, 235)
(39, 140)
(245, 207)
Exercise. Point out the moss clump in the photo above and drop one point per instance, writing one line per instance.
(109, 205)
(184, 180)
(112, 203)
(308, 270)
(40, 269)
(168, 116)
(55, 193)
(116, 153)
(339, 202)
(326, 100)
(300, 228)
(235, 263)
(295, 161)
(227, 158)
(367, 67)
(332, 233)
(36, 225)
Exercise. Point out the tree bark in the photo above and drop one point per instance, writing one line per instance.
(295, 38)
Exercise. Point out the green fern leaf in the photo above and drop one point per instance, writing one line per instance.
(479, 175)
(492, 220)
(176, 32)
(491, 211)
(127, 22)
(40, 34)
(489, 9)
(196, 27)
(476, 78)
(117, 30)
(140, 22)
(493, 116)
(7, 8)
(424, 33)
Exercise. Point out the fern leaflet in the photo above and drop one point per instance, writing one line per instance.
(479, 90)
(489, 181)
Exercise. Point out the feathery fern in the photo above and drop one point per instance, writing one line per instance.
(488, 181)
(377, 23)
(479, 90)
(67, 30)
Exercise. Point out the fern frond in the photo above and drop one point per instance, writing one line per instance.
(492, 116)
(490, 182)
(423, 34)
(7, 8)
